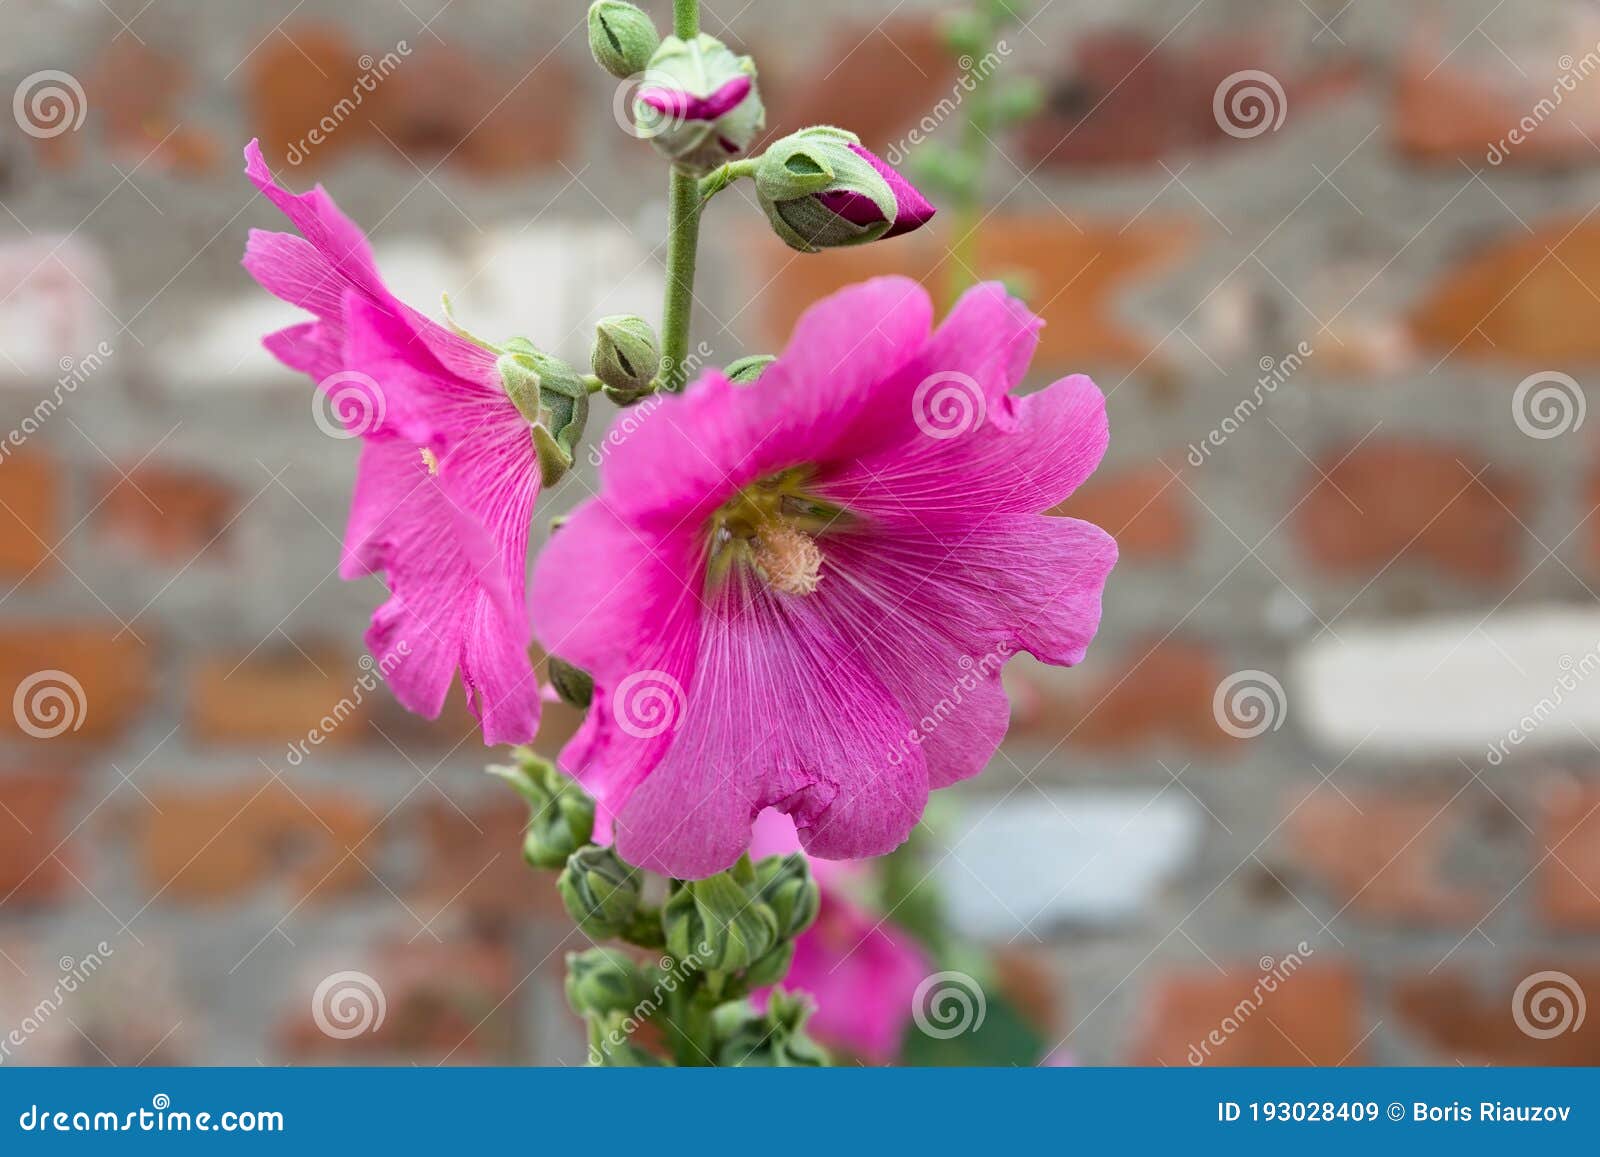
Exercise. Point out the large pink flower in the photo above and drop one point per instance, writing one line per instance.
(798, 594)
(447, 478)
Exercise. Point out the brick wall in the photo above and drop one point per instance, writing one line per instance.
(1392, 543)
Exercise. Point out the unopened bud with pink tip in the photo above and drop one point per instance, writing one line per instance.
(822, 189)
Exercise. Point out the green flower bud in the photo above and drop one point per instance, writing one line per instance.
(718, 925)
(822, 190)
(749, 369)
(698, 103)
(626, 355)
(775, 1039)
(771, 968)
(600, 891)
(552, 396)
(574, 685)
(621, 37)
(785, 885)
(562, 813)
(603, 980)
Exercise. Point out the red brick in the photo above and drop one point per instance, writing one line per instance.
(1029, 980)
(876, 79)
(1157, 691)
(1313, 1017)
(488, 119)
(1126, 99)
(297, 79)
(80, 675)
(169, 513)
(1525, 298)
(1418, 500)
(218, 844)
(1443, 112)
(1381, 856)
(33, 824)
(30, 521)
(1143, 508)
(1460, 1022)
(1073, 278)
(442, 1003)
(1569, 879)
(135, 92)
(279, 695)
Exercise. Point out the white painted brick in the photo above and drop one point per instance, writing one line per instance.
(1455, 685)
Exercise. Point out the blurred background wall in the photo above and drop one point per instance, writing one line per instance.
(1343, 706)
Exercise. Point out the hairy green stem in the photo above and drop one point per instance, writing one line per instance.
(683, 239)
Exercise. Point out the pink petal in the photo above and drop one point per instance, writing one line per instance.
(681, 105)
(912, 209)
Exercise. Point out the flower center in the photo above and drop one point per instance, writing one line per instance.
(772, 527)
(428, 460)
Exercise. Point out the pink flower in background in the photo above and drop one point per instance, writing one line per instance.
(799, 594)
(447, 478)
(863, 973)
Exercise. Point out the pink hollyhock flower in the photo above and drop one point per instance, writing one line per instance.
(798, 594)
(447, 478)
(863, 973)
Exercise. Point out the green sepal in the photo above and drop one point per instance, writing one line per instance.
(603, 980)
(718, 925)
(573, 684)
(749, 369)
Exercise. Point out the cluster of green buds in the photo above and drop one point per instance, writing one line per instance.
(711, 943)
(552, 396)
(699, 103)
